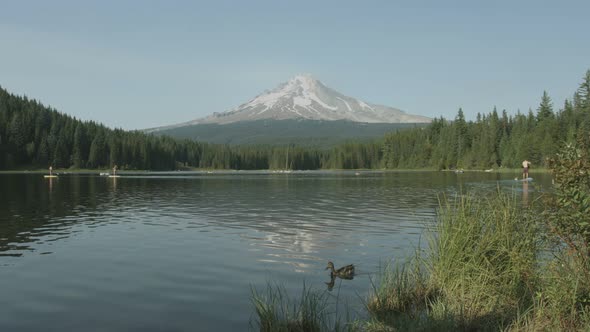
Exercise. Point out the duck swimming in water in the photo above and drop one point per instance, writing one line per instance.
(345, 272)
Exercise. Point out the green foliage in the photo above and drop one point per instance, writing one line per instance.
(545, 110)
(583, 94)
(400, 289)
(490, 141)
(570, 209)
(80, 143)
(568, 215)
(482, 256)
(562, 301)
(485, 271)
(562, 297)
(97, 156)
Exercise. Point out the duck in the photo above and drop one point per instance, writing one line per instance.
(345, 272)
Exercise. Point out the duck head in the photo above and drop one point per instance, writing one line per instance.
(330, 266)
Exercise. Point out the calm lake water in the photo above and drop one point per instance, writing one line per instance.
(181, 251)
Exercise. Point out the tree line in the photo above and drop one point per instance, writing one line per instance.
(37, 136)
(494, 140)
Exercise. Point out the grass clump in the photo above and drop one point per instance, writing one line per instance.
(562, 300)
(276, 311)
(401, 288)
(482, 260)
(479, 266)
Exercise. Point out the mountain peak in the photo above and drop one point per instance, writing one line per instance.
(299, 92)
(303, 79)
(304, 97)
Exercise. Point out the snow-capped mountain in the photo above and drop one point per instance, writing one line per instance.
(304, 97)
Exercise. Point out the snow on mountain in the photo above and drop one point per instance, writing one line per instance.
(304, 97)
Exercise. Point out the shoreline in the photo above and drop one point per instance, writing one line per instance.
(108, 170)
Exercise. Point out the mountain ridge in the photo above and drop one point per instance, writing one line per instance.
(304, 97)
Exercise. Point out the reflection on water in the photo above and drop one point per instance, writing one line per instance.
(188, 246)
(330, 284)
(50, 181)
(525, 193)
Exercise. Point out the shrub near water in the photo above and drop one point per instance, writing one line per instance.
(562, 301)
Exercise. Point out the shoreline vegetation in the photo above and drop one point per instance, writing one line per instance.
(492, 264)
(35, 136)
(98, 170)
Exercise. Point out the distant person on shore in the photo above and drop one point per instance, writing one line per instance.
(525, 169)
(50, 170)
(115, 170)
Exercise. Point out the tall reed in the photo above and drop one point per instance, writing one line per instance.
(562, 299)
(277, 311)
(478, 271)
(482, 259)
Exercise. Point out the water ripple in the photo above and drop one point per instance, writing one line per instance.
(189, 248)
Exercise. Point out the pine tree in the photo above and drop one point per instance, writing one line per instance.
(43, 153)
(78, 160)
(16, 138)
(60, 155)
(97, 155)
(460, 139)
(114, 152)
(584, 93)
(545, 110)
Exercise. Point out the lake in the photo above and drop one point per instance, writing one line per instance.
(181, 251)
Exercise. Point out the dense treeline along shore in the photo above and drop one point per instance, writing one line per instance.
(35, 136)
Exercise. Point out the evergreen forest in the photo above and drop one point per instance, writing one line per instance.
(34, 136)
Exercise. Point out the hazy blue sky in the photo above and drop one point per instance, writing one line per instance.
(139, 64)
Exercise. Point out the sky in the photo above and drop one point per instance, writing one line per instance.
(142, 64)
